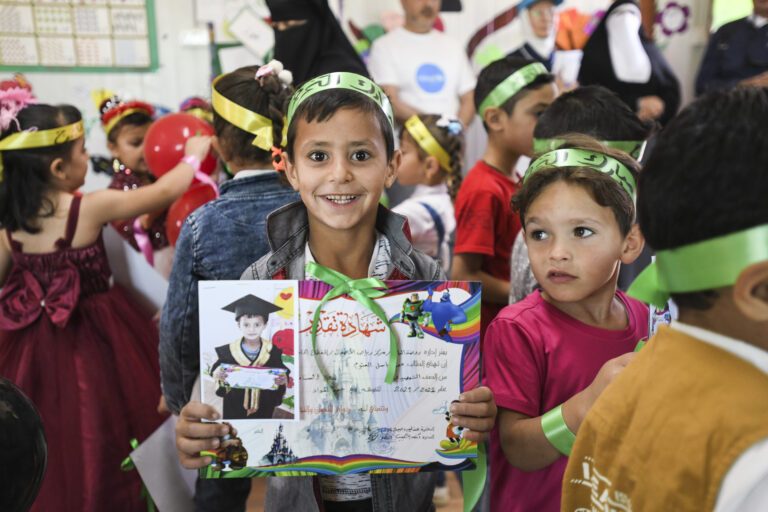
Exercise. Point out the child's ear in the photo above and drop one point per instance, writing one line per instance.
(219, 149)
(432, 168)
(494, 118)
(392, 166)
(57, 169)
(633, 245)
(291, 173)
(750, 293)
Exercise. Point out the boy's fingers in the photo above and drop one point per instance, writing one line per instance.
(474, 424)
(478, 410)
(194, 411)
(193, 462)
(481, 394)
(477, 437)
(193, 447)
(197, 430)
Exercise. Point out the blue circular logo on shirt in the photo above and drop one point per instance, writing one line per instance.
(430, 78)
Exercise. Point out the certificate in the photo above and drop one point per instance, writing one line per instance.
(374, 370)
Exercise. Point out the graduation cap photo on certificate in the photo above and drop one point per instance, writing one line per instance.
(248, 343)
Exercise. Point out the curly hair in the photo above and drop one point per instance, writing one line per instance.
(452, 143)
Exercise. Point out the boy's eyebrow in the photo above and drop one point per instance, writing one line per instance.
(585, 220)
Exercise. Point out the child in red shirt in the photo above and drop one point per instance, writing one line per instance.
(557, 349)
(510, 94)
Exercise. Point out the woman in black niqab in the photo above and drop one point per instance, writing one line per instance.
(309, 40)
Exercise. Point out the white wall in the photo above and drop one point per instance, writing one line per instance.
(183, 72)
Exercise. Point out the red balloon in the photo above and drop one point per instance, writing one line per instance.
(197, 195)
(165, 139)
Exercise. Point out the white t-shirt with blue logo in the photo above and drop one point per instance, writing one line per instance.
(431, 70)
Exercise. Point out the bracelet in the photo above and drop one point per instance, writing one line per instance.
(557, 432)
(193, 161)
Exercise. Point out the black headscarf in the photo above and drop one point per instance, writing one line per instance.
(316, 47)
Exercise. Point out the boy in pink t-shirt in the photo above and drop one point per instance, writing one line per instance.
(548, 357)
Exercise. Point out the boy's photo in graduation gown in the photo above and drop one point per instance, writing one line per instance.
(250, 350)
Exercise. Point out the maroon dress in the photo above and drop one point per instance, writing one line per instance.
(86, 354)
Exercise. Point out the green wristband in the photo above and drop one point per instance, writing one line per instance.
(557, 432)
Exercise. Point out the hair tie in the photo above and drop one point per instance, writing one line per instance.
(451, 124)
(275, 67)
(278, 161)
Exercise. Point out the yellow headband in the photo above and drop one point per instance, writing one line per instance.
(427, 142)
(200, 113)
(244, 119)
(112, 122)
(41, 139)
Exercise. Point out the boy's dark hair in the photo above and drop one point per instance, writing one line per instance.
(452, 144)
(496, 72)
(263, 318)
(606, 191)
(266, 96)
(591, 110)
(27, 173)
(134, 119)
(707, 176)
(323, 105)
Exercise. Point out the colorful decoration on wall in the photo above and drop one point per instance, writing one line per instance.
(673, 19)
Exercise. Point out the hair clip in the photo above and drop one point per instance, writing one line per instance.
(12, 101)
(275, 67)
(451, 124)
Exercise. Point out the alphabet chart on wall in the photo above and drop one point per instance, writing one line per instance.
(77, 35)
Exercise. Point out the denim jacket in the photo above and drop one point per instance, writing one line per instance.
(217, 241)
(287, 230)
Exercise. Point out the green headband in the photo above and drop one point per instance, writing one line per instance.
(634, 148)
(573, 157)
(706, 265)
(512, 85)
(342, 80)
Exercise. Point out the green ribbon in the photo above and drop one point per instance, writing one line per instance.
(512, 85)
(363, 291)
(128, 465)
(705, 265)
(341, 80)
(574, 157)
(634, 148)
(557, 432)
(473, 482)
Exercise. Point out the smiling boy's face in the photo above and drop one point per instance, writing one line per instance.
(340, 169)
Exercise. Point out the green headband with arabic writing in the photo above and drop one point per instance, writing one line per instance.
(341, 80)
(634, 148)
(573, 157)
(705, 265)
(512, 85)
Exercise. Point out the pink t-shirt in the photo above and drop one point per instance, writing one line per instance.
(535, 358)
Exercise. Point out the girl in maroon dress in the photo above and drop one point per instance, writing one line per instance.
(75, 343)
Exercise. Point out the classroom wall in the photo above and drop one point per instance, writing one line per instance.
(184, 71)
(185, 59)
